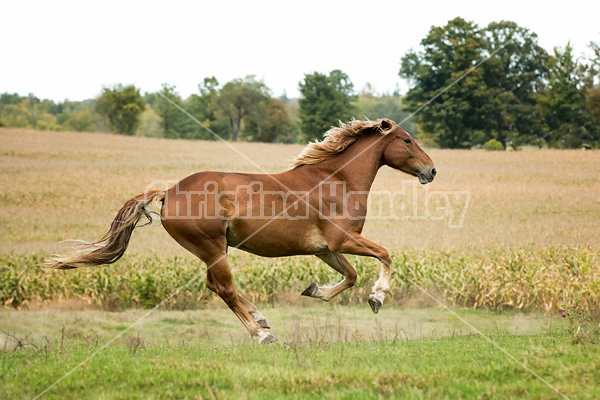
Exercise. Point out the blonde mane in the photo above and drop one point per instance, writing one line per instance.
(338, 139)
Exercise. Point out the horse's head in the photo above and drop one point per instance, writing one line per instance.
(404, 153)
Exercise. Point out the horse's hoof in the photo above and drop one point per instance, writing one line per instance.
(311, 290)
(375, 304)
(268, 339)
(263, 323)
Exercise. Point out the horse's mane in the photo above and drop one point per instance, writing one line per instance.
(338, 139)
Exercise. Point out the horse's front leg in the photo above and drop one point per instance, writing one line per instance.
(358, 245)
(341, 265)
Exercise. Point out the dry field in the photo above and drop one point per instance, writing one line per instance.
(61, 185)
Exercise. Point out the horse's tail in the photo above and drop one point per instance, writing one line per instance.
(113, 244)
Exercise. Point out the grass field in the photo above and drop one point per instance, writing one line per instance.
(529, 242)
(324, 352)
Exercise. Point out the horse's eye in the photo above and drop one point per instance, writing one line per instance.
(407, 140)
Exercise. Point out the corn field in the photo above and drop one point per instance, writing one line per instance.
(549, 279)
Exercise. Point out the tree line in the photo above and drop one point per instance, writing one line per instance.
(241, 109)
(497, 87)
(491, 87)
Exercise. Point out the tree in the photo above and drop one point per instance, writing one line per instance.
(590, 72)
(237, 100)
(32, 101)
(174, 123)
(592, 95)
(82, 119)
(369, 105)
(28, 111)
(326, 99)
(150, 123)
(9, 98)
(150, 98)
(564, 105)
(456, 117)
(203, 107)
(592, 103)
(513, 76)
(496, 100)
(122, 106)
(9, 106)
(77, 116)
(269, 123)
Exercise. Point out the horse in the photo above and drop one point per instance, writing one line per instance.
(316, 207)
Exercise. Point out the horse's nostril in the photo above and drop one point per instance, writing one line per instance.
(433, 172)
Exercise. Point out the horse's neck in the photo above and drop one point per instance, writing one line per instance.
(358, 164)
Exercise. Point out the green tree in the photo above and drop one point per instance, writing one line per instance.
(13, 111)
(513, 76)
(174, 122)
(592, 103)
(326, 99)
(455, 118)
(238, 100)
(563, 103)
(269, 123)
(9, 98)
(590, 71)
(122, 106)
(369, 105)
(291, 108)
(496, 100)
(77, 116)
(592, 95)
(150, 123)
(203, 107)
(29, 111)
(32, 101)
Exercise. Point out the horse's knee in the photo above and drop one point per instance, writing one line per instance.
(211, 286)
(228, 294)
(385, 258)
(350, 277)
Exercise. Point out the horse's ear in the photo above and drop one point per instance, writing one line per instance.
(386, 125)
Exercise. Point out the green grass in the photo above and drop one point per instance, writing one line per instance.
(324, 352)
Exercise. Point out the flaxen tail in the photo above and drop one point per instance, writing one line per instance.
(114, 243)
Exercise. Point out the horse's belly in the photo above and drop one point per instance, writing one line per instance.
(276, 238)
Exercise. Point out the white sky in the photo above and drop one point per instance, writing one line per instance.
(60, 49)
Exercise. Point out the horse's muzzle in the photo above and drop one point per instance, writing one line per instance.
(426, 175)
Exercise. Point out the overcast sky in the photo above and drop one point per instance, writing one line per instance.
(59, 49)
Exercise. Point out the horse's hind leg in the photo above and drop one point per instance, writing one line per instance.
(341, 265)
(207, 240)
(251, 308)
(223, 286)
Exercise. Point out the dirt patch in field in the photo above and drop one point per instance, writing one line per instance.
(70, 304)
(411, 298)
(415, 298)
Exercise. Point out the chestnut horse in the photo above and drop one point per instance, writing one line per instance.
(318, 206)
